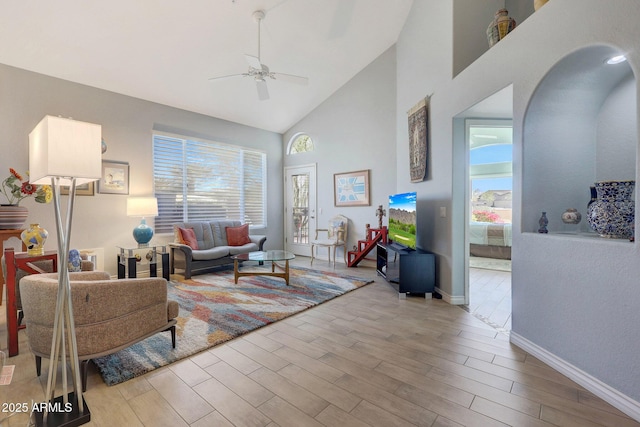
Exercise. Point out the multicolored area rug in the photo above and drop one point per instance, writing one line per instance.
(213, 310)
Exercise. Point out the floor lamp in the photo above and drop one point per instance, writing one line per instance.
(64, 152)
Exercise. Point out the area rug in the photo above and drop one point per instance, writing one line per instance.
(213, 309)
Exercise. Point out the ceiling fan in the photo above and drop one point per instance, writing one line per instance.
(261, 72)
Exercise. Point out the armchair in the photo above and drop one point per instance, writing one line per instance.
(14, 267)
(336, 236)
(109, 315)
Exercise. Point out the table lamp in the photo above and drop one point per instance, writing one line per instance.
(64, 152)
(142, 207)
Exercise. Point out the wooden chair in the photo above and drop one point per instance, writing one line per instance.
(336, 236)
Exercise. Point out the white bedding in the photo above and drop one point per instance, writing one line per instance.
(491, 234)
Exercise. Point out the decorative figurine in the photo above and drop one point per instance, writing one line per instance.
(366, 232)
(380, 212)
(543, 222)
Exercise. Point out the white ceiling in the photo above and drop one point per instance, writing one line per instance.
(165, 51)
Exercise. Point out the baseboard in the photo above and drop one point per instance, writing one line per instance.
(453, 300)
(610, 395)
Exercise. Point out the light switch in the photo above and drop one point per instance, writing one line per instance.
(443, 211)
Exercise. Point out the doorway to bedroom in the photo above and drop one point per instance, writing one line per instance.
(490, 187)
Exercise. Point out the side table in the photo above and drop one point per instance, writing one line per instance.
(127, 261)
(20, 261)
(4, 236)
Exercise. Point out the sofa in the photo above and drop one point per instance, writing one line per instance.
(200, 247)
(109, 315)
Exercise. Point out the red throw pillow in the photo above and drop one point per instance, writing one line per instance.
(238, 236)
(189, 237)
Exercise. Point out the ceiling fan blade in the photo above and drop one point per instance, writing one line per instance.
(226, 77)
(263, 92)
(291, 78)
(253, 61)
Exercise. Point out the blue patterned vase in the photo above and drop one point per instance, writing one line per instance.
(613, 213)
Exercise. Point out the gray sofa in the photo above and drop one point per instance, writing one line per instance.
(213, 248)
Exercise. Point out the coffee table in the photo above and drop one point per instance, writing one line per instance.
(273, 256)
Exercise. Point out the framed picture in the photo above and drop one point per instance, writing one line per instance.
(115, 178)
(87, 189)
(351, 188)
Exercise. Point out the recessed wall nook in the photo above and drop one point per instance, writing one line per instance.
(580, 127)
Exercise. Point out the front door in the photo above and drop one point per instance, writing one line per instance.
(300, 208)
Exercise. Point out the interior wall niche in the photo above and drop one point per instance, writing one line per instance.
(580, 127)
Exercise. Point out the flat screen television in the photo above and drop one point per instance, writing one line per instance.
(402, 219)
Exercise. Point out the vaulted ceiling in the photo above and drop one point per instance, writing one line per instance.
(166, 51)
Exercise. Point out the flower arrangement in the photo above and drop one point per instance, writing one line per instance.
(486, 216)
(15, 188)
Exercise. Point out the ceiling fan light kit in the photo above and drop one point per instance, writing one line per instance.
(259, 71)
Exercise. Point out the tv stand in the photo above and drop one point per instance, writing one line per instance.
(408, 271)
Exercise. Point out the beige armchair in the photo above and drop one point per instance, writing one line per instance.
(336, 235)
(109, 315)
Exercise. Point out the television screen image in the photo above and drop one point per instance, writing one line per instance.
(402, 219)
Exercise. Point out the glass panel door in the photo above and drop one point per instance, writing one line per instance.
(300, 209)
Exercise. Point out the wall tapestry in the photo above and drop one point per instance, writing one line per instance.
(418, 140)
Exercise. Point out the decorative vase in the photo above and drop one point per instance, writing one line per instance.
(543, 222)
(594, 195)
(613, 213)
(34, 238)
(537, 4)
(571, 216)
(501, 25)
(12, 217)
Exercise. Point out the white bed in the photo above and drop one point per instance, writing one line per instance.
(490, 240)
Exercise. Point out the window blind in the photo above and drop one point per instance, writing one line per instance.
(203, 180)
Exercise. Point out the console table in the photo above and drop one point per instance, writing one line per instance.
(4, 236)
(409, 271)
(20, 261)
(129, 257)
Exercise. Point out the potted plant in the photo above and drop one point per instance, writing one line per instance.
(14, 189)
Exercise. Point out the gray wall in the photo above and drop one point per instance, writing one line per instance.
(354, 130)
(100, 221)
(574, 310)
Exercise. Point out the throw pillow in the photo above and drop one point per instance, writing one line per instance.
(238, 236)
(189, 237)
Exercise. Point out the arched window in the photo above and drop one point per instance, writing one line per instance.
(300, 143)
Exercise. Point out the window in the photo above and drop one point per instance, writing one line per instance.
(204, 180)
(490, 170)
(300, 143)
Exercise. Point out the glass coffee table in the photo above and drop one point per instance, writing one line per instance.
(273, 256)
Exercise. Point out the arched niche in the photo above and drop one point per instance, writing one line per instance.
(580, 127)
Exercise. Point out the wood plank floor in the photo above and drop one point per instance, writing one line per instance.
(364, 359)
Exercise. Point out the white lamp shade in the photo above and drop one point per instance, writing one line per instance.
(66, 149)
(142, 206)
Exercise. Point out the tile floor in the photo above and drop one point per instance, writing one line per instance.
(366, 358)
(490, 297)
